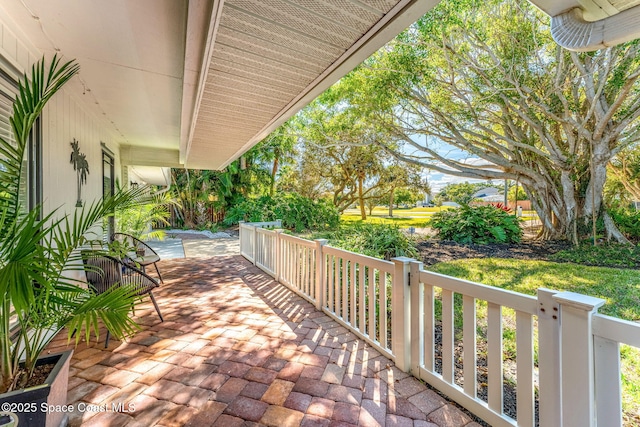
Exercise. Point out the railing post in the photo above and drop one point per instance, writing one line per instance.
(550, 387)
(417, 316)
(320, 291)
(577, 358)
(254, 243)
(401, 313)
(278, 255)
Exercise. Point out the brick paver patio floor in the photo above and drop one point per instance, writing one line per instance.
(238, 349)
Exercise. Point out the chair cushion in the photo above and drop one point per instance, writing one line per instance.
(147, 259)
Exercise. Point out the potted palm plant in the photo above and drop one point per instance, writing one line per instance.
(38, 253)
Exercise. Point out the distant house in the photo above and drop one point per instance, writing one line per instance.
(485, 192)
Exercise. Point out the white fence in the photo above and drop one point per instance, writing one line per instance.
(418, 319)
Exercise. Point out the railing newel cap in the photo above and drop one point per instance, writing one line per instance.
(579, 301)
(402, 260)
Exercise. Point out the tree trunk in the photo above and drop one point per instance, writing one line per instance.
(274, 171)
(391, 202)
(565, 207)
(363, 212)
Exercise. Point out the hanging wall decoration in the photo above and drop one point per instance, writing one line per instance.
(81, 166)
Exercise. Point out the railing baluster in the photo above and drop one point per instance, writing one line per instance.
(303, 269)
(371, 325)
(469, 345)
(362, 322)
(300, 272)
(352, 291)
(288, 264)
(429, 331)
(448, 358)
(298, 266)
(337, 284)
(310, 273)
(382, 286)
(494, 356)
(345, 289)
(331, 282)
(524, 369)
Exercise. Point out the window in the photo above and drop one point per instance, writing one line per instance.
(108, 186)
(30, 192)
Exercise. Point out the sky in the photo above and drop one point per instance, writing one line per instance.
(438, 180)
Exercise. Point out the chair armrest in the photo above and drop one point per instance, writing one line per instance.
(141, 281)
(136, 242)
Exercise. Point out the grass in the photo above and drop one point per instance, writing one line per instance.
(620, 288)
(403, 217)
(605, 255)
(399, 221)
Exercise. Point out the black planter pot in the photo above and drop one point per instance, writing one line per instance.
(31, 404)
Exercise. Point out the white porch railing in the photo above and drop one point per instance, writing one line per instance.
(248, 237)
(409, 314)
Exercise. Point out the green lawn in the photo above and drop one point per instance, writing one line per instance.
(619, 287)
(397, 220)
(402, 217)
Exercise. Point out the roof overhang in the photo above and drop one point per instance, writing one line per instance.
(263, 60)
(150, 175)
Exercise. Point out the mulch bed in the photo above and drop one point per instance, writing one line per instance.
(434, 251)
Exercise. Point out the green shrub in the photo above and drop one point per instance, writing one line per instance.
(296, 212)
(482, 224)
(602, 255)
(377, 240)
(628, 221)
(138, 220)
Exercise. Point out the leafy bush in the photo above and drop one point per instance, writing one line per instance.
(138, 220)
(482, 224)
(377, 240)
(628, 221)
(296, 212)
(601, 255)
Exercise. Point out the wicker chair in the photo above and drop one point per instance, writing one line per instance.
(104, 271)
(147, 258)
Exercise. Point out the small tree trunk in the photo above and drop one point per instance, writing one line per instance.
(274, 171)
(391, 202)
(363, 212)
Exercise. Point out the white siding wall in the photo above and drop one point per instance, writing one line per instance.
(63, 119)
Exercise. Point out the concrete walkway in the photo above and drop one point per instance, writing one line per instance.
(194, 246)
(238, 349)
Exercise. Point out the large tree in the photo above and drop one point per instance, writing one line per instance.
(277, 150)
(625, 170)
(487, 78)
(344, 154)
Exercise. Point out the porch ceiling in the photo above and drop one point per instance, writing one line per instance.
(266, 59)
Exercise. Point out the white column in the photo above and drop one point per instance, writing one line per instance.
(278, 261)
(577, 358)
(550, 388)
(320, 266)
(401, 313)
(417, 316)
